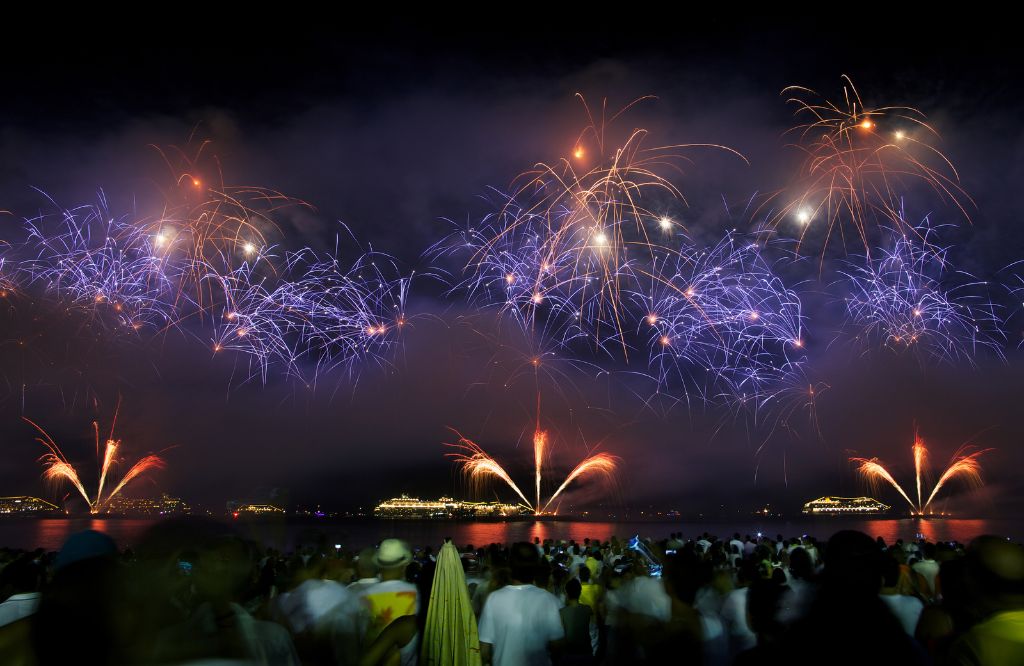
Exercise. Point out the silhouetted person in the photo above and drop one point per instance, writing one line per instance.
(847, 623)
(764, 601)
(220, 628)
(76, 622)
(995, 573)
(576, 618)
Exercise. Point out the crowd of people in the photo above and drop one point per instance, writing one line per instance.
(194, 592)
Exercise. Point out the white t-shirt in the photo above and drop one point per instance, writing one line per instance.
(906, 608)
(520, 621)
(734, 616)
(646, 596)
(305, 606)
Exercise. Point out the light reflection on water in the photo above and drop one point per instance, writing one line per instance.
(51, 533)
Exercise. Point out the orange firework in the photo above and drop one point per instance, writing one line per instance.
(216, 226)
(600, 463)
(57, 468)
(963, 465)
(588, 213)
(540, 443)
(856, 159)
(477, 465)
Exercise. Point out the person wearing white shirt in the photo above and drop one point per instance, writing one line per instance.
(928, 567)
(906, 608)
(19, 583)
(520, 621)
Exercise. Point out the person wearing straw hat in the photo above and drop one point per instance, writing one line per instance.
(393, 597)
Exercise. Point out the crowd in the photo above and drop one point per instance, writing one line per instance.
(194, 592)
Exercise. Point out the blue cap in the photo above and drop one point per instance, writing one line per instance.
(84, 546)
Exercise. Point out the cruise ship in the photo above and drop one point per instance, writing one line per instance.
(845, 506)
(446, 508)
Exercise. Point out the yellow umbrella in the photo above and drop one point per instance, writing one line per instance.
(450, 636)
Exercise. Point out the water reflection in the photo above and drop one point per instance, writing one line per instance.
(283, 534)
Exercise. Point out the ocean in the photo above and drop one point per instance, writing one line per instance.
(285, 534)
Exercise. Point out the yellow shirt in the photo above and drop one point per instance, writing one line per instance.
(997, 640)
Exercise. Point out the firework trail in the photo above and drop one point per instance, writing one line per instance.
(601, 464)
(102, 265)
(859, 161)
(564, 243)
(722, 310)
(540, 442)
(57, 468)
(963, 465)
(477, 465)
(872, 470)
(126, 276)
(902, 299)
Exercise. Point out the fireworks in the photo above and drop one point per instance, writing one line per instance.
(102, 265)
(563, 250)
(903, 299)
(963, 465)
(859, 162)
(722, 310)
(57, 468)
(126, 278)
(478, 466)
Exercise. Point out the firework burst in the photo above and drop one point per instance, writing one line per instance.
(964, 465)
(478, 466)
(859, 162)
(906, 297)
(58, 469)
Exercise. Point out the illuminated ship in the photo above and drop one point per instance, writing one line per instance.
(446, 508)
(26, 505)
(841, 506)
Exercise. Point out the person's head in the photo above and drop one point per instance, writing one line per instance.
(573, 590)
(800, 564)
(522, 562)
(853, 564)
(929, 551)
(584, 575)
(763, 604)
(682, 576)
(19, 577)
(81, 605)
(890, 572)
(222, 569)
(392, 558)
(365, 566)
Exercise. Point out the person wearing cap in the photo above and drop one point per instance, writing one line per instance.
(393, 597)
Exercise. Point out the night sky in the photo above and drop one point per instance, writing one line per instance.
(396, 129)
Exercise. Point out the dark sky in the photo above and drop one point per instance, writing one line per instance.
(390, 126)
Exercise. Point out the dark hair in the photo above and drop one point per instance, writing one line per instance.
(763, 602)
(800, 564)
(584, 574)
(573, 589)
(522, 561)
(890, 571)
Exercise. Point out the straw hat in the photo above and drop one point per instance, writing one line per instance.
(393, 553)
